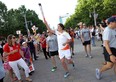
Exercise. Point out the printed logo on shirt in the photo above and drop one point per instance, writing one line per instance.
(86, 32)
(11, 48)
(17, 46)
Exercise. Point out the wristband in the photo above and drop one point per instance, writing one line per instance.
(110, 54)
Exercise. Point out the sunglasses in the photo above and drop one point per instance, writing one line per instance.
(13, 37)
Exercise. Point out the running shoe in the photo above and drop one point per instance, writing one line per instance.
(86, 56)
(53, 69)
(98, 74)
(73, 54)
(90, 56)
(73, 64)
(66, 74)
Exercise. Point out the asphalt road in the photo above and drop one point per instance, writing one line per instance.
(84, 67)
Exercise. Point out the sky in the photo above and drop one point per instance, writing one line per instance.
(52, 8)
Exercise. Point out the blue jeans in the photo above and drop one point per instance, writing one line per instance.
(93, 41)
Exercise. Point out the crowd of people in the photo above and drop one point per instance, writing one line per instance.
(20, 52)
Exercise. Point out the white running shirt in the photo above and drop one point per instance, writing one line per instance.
(62, 38)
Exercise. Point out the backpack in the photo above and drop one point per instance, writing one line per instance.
(93, 33)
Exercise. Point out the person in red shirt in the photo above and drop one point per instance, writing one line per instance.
(13, 51)
(72, 34)
(43, 45)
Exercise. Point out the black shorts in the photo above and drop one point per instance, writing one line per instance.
(86, 43)
(53, 53)
(71, 44)
(107, 56)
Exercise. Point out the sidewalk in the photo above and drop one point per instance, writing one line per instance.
(84, 71)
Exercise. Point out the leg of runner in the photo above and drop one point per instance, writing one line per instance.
(106, 67)
(64, 64)
(53, 63)
(65, 67)
(85, 48)
(89, 50)
(71, 62)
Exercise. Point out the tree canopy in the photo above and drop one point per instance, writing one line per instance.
(13, 20)
(85, 9)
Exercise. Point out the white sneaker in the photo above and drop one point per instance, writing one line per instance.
(98, 74)
(66, 74)
(90, 56)
(86, 56)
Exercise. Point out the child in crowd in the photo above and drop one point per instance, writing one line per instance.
(8, 68)
(27, 56)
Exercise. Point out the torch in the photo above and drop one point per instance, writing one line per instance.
(41, 9)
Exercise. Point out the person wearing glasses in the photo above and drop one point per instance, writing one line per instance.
(86, 40)
(13, 51)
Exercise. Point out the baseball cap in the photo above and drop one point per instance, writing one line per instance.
(111, 19)
(23, 43)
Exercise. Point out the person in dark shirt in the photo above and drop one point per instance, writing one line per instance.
(32, 48)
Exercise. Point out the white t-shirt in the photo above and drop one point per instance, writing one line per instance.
(62, 38)
(110, 35)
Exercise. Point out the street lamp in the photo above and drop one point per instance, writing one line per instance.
(95, 15)
(26, 26)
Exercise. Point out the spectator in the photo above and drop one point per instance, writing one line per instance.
(43, 45)
(92, 30)
(32, 48)
(8, 68)
(72, 34)
(14, 57)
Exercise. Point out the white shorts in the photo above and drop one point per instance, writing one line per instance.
(65, 53)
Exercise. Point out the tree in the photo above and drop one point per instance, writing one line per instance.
(85, 8)
(3, 18)
(14, 19)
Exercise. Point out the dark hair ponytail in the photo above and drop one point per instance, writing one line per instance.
(61, 25)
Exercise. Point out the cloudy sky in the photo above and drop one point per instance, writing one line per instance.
(52, 8)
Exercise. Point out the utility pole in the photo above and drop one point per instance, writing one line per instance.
(94, 15)
(26, 26)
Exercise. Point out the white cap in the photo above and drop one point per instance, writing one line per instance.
(23, 43)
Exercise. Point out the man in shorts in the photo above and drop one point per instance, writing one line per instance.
(86, 40)
(63, 39)
(109, 43)
(52, 48)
